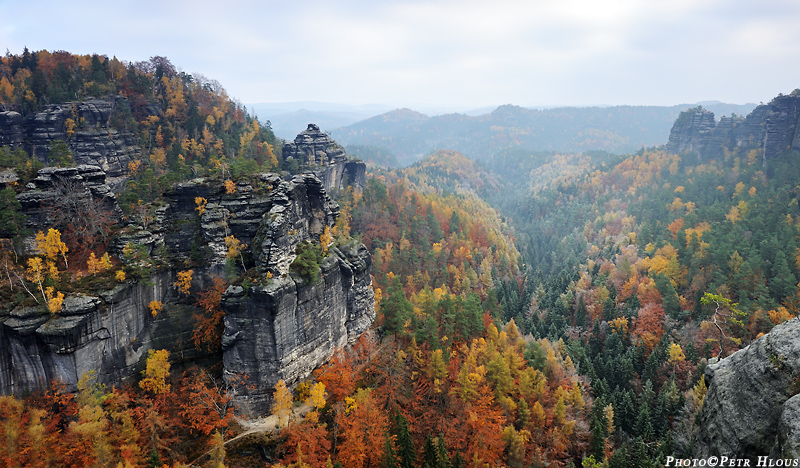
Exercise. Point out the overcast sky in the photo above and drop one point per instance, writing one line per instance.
(450, 54)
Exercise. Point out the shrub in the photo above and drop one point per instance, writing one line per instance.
(306, 265)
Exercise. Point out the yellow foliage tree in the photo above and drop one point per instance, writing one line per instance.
(560, 411)
(6, 90)
(676, 353)
(159, 157)
(230, 186)
(134, 167)
(54, 301)
(35, 272)
(619, 325)
(69, 125)
(155, 307)
(738, 189)
(317, 396)
(50, 245)
(184, 283)
(105, 262)
(201, 205)
(235, 247)
(120, 275)
(282, 403)
(733, 215)
(93, 264)
(608, 411)
(156, 372)
(325, 239)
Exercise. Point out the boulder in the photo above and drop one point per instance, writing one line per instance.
(750, 407)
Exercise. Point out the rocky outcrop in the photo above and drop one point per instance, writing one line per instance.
(751, 408)
(276, 327)
(108, 334)
(300, 211)
(56, 189)
(283, 327)
(287, 328)
(773, 128)
(94, 142)
(271, 219)
(781, 126)
(691, 132)
(318, 152)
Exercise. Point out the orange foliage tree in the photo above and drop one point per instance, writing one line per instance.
(208, 331)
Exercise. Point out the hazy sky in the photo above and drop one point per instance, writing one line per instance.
(450, 54)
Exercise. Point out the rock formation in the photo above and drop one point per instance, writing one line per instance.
(280, 328)
(771, 128)
(781, 125)
(108, 333)
(691, 131)
(94, 142)
(287, 328)
(314, 150)
(56, 187)
(752, 406)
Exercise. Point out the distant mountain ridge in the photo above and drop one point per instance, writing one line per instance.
(290, 118)
(619, 129)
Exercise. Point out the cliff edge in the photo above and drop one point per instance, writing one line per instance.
(752, 407)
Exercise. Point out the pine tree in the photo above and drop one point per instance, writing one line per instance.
(442, 458)
(389, 459)
(405, 446)
(672, 306)
(429, 453)
(395, 308)
(783, 282)
(458, 461)
(640, 457)
(644, 424)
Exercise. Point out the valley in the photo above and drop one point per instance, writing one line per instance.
(554, 287)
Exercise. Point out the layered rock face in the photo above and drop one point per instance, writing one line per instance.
(781, 122)
(318, 152)
(771, 127)
(286, 329)
(752, 406)
(107, 334)
(282, 328)
(691, 131)
(53, 186)
(95, 142)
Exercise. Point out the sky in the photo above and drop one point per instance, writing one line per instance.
(456, 55)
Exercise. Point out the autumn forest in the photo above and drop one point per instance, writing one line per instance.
(533, 309)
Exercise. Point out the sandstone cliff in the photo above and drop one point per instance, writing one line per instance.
(95, 140)
(286, 329)
(108, 334)
(316, 151)
(752, 406)
(771, 128)
(279, 327)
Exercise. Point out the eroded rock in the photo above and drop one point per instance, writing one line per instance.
(745, 413)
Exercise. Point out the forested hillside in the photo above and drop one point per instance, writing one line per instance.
(534, 307)
(645, 266)
(617, 129)
(187, 126)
